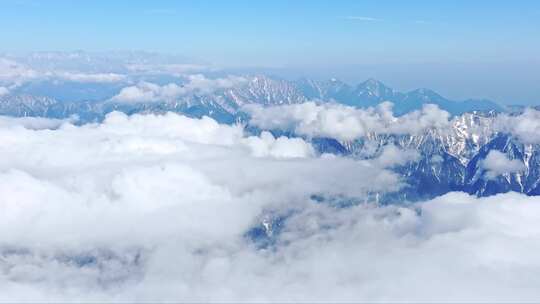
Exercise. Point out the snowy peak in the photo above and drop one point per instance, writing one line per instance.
(375, 88)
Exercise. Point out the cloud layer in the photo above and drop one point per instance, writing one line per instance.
(148, 208)
(16, 73)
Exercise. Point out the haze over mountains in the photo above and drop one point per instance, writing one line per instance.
(87, 84)
(94, 100)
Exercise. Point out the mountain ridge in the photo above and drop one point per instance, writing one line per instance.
(257, 89)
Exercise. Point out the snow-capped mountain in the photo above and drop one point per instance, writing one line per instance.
(257, 89)
(372, 92)
(449, 160)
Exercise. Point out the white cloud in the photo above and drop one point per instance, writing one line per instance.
(525, 126)
(363, 18)
(199, 84)
(267, 145)
(344, 122)
(90, 77)
(34, 123)
(144, 91)
(175, 69)
(496, 163)
(156, 208)
(13, 72)
(392, 156)
(4, 91)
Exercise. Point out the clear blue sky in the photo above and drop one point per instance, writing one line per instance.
(480, 37)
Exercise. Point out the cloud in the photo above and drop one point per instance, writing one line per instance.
(373, 19)
(160, 208)
(363, 18)
(15, 73)
(196, 84)
(344, 122)
(90, 78)
(172, 69)
(392, 156)
(202, 84)
(496, 163)
(525, 126)
(12, 71)
(4, 91)
(145, 91)
(267, 145)
(34, 123)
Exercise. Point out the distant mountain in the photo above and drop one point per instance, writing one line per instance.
(372, 92)
(93, 62)
(224, 104)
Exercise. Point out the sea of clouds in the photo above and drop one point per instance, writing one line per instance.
(159, 208)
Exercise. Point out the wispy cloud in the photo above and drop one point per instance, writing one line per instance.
(374, 19)
(363, 18)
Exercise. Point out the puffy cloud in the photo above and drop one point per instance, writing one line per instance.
(144, 91)
(344, 122)
(267, 145)
(394, 156)
(309, 119)
(196, 84)
(496, 163)
(525, 126)
(4, 91)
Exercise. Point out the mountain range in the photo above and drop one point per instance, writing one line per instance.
(446, 163)
(451, 159)
(91, 101)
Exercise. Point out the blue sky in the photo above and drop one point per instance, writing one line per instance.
(433, 38)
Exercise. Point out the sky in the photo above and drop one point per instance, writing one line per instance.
(479, 49)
